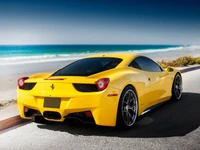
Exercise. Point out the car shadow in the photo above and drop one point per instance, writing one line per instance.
(171, 119)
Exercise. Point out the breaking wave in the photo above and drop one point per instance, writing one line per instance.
(73, 56)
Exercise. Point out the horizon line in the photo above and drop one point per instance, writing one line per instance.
(89, 44)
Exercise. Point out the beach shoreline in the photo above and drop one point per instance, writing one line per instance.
(42, 54)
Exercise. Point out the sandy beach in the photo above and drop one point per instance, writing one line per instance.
(10, 73)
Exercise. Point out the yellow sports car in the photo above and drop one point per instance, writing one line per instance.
(106, 89)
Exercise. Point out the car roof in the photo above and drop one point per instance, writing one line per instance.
(126, 57)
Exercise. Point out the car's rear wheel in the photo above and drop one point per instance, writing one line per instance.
(177, 87)
(127, 108)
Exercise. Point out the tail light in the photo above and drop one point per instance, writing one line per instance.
(102, 83)
(21, 82)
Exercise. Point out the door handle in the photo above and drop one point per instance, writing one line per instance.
(149, 79)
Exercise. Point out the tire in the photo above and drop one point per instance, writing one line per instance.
(177, 88)
(127, 108)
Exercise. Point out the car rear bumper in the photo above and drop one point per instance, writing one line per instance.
(102, 105)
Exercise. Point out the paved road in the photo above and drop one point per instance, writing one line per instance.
(174, 125)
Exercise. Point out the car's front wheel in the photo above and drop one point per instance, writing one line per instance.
(177, 87)
(127, 108)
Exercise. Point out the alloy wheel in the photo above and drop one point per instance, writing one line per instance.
(178, 87)
(129, 107)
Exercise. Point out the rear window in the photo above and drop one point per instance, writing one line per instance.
(88, 66)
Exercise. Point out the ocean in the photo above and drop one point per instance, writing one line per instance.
(17, 54)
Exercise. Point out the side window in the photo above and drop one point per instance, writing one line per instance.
(134, 65)
(147, 64)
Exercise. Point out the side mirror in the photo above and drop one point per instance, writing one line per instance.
(169, 69)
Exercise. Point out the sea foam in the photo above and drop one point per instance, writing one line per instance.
(74, 56)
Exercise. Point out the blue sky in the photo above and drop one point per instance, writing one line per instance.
(99, 22)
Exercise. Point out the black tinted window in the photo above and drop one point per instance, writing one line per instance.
(88, 66)
(147, 64)
(134, 65)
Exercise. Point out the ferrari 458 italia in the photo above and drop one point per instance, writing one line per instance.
(106, 89)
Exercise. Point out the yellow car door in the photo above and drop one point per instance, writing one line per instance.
(158, 79)
(160, 87)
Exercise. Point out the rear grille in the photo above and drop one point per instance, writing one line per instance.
(85, 87)
(28, 86)
(52, 115)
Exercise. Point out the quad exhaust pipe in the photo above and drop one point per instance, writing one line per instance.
(52, 115)
(38, 118)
